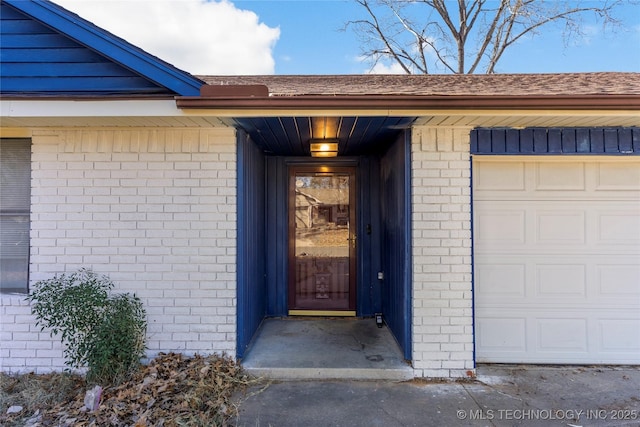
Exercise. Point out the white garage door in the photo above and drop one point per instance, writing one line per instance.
(557, 259)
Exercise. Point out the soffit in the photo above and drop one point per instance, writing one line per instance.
(429, 118)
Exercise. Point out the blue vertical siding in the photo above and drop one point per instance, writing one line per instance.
(251, 241)
(555, 141)
(46, 49)
(34, 58)
(369, 237)
(277, 233)
(396, 244)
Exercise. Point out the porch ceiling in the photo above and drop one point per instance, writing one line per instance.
(355, 134)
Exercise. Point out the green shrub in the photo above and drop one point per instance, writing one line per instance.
(119, 340)
(103, 332)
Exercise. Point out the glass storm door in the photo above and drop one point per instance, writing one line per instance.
(322, 241)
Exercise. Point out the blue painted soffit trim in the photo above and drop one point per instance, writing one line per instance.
(110, 46)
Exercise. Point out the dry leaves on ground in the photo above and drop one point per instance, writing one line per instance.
(172, 390)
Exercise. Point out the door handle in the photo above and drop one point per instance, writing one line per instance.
(352, 241)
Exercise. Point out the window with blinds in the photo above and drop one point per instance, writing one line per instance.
(15, 196)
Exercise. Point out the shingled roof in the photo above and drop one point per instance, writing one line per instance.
(569, 84)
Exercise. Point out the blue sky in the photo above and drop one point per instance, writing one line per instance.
(311, 42)
(312, 36)
(307, 37)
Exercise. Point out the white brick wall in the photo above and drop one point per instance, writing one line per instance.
(155, 209)
(442, 290)
(22, 345)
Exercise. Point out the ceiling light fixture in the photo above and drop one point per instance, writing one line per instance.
(324, 147)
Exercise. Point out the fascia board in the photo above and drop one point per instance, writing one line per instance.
(410, 102)
(167, 108)
(110, 46)
(404, 112)
(95, 108)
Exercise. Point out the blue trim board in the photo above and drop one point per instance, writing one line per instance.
(408, 244)
(109, 46)
(473, 264)
(556, 141)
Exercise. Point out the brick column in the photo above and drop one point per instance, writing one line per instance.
(442, 286)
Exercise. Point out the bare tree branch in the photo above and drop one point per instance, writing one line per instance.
(488, 33)
(424, 35)
(419, 42)
(375, 26)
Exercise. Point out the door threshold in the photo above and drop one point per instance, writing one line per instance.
(325, 313)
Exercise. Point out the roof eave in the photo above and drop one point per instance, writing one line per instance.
(409, 102)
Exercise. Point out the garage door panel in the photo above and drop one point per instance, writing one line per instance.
(533, 280)
(506, 333)
(620, 335)
(564, 281)
(500, 176)
(620, 281)
(600, 281)
(557, 264)
(573, 225)
(501, 225)
(501, 280)
(616, 176)
(550, 336)
(619, 227)
(561, 335)
(557, 180)
(594, 196)
(549, 177)
(560, 227)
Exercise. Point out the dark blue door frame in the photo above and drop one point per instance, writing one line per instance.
(367, 288)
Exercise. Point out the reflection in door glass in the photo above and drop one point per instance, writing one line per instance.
(322, 241)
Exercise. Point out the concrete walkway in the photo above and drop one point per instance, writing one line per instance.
(348, 372)
(501, 396)
(313, 348)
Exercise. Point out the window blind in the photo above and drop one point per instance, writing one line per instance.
(15, 196)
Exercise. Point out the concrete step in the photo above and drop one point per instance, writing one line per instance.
(390, 374)
(327, 349)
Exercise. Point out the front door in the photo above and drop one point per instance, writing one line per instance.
(322, 241)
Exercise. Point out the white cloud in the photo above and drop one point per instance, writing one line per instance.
(381, 68)
(200, 37)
